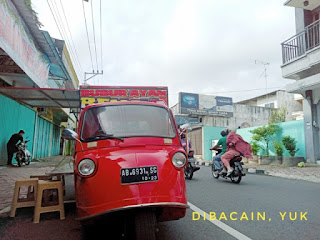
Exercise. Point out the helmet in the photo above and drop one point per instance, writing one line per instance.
(224, 132)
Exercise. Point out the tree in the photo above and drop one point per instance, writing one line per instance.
(278, 115)
(255, 147)
(290, 144)
(265, 134)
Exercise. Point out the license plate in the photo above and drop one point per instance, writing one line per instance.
(139, 174)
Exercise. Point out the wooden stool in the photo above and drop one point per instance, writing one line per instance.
(42, 187)
(52, 177)
(30, 199)
(47, 194)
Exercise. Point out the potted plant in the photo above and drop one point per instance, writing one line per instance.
(279, 151)
(255, 148)
(290, 144)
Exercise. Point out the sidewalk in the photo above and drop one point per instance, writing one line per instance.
(309, 173)
(8, 175)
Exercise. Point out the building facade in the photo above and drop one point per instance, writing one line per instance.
(301, 62)
(30, 58)
(277, 99)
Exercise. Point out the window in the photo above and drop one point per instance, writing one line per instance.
(127, 121)
(269, 105)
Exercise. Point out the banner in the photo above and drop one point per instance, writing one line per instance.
(207, 105)
(181, 119)
(98, 94)
(15, 41)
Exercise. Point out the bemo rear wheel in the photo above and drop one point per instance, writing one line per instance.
(145, 225)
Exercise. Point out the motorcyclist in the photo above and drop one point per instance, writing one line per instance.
(183, 141)
(12, 145)
(223, 144)
(235, 146)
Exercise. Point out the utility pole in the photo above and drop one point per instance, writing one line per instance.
(93, 75)
(265, 64)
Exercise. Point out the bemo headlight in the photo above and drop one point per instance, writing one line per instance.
(86, 167)
(179, 159)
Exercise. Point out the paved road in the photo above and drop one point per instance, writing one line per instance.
(257, 194)
(254, 194)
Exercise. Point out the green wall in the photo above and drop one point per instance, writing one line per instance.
(13, 117)
(294, 129)
(209, 134)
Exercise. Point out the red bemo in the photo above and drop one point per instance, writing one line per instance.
(128, 157)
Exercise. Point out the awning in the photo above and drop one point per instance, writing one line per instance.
(44, 97)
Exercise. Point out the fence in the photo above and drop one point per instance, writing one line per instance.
(299, 44)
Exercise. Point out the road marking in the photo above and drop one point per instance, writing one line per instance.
(223, 226)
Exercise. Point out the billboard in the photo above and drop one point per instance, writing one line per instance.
(98, 94)
(199, 104)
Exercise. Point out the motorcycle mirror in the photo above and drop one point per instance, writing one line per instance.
(69, 134)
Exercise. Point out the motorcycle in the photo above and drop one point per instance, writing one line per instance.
(236, 164)
(191, 166)
(23, 155)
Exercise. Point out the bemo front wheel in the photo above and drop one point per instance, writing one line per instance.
(145, 225)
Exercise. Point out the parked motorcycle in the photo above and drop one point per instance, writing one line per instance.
(191, 166)
(236, 164)
(23, 155)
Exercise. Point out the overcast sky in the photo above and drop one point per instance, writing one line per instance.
(198, 46)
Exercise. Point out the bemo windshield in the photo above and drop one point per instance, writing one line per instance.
(119, 121)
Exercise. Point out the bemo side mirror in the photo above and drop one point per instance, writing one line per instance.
(69, 134)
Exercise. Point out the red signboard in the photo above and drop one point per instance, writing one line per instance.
(98, 94)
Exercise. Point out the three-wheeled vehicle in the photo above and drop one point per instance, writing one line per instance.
(128, 159)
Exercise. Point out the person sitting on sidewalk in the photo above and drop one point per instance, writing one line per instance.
(235, 146)
(223, 144)
(12, 145)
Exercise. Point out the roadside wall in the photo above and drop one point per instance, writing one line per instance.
(209, 134)
(195, 137)
(293, 129)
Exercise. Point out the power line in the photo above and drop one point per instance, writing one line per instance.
(248, 90)
(85, 20)
(75, 50)
(94, 34)
(65, 37)
(56, 24)
(101, 36)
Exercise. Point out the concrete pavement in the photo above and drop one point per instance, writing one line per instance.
(8, 175)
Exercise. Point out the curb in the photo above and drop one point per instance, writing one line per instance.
(248, 170)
